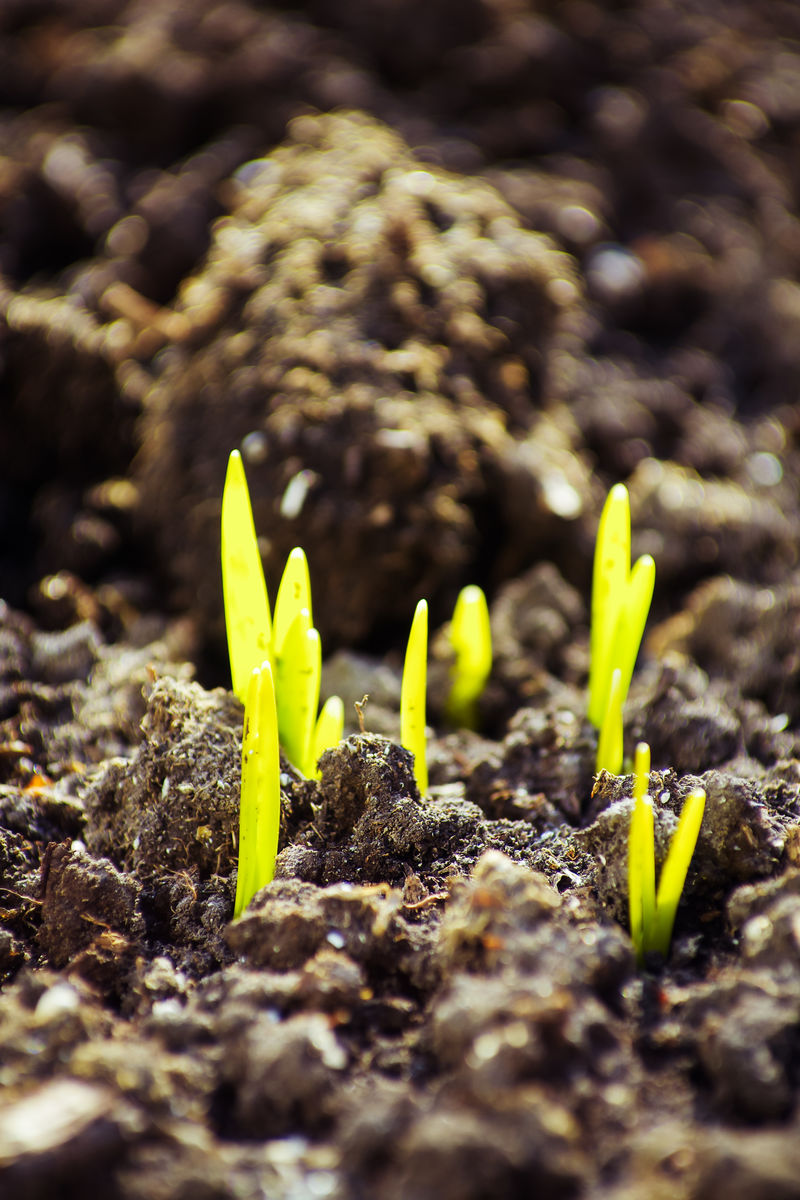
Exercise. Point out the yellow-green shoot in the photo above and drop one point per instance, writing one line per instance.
(471, 640)
(247, 618)
(651, 912)
(260, 806)
(675, 868)
(609, 744)
(328, 730)
(289, 643)
(641, 854)
(621, 598)
(412, 695)
(298, 667)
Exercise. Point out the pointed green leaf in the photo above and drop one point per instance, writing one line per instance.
(612, 559)
(412, 695)
(294, 594)
(247, 618)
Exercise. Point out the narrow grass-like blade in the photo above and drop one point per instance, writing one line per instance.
(247, 618)
(297, 679)
(294, 594)
(471, 639)
(609, 744)
(612, 557)
(412, 695)
(647, 852)
(675, 868)
(260, 803)
(633, 618)
(328, 731)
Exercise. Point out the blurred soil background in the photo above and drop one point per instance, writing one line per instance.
(444, 273)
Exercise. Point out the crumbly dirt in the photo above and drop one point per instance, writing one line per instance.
(443, 273)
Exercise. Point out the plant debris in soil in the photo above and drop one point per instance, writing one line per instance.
(443, 273)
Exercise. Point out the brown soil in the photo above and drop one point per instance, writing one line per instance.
(443, 273)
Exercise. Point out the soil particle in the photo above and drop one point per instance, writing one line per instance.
(688, 719)
(740, 1030)
(84, 898)
(283, 1074)
(715, 524)
(289, 922)
(175, 803)
(739, 631)
(374, 824)
(541, 772)
(64, 1130)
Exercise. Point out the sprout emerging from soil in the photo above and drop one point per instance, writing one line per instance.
(471, 640)
(609, 745)
(621, 598)
(247, 619)
(260, 807)
(651, 912)
(298, 669)
(412, 695)
(290, 644)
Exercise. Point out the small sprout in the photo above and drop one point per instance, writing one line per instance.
(412, 695)
(328, 731)
(641, 770)
(298, 667)
(471, 639)
(675, 868)
(651, 912)
(609, 745)
(247, 617)
(620, 603)
(294, 595)
(260, 807)
(641, 852)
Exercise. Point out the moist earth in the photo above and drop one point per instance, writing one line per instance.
(443, 273)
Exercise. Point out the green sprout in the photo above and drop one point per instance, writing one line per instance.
(298, 667)
(247, 619)
(609, 745)
(328, 730)
(412, 695)
(260, 806)
(471, 640)
(621, 598)
(290, 643)
(651, 912)
(294, 595)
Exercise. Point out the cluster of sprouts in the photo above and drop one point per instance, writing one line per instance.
(276, 664)
(652, 912)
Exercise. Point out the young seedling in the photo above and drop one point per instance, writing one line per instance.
(328, 730)
(651, 912)
(260, 806)
(298, 667)
(609, 745)
(247, 618)
(675, 868)
(289, 643)
(621, 599)
(641, 854)
(471, 639)
(294, 595)
(412, 695)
